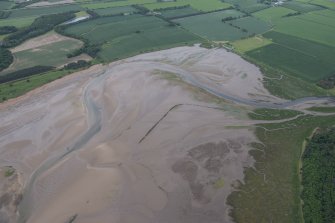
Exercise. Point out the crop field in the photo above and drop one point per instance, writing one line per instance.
(210, 26)
(110, 4)
(271, 15)
(29, 12)
(123, 36)
(205, 6)
(313, 61)
(248, 6)
(180, 12)
(5, 5)
(301, 27)
(249, 44)
(41, 55)
(115, 10)
(271, 190)
(326, 3)
(301, 7)
(251, 25)
(18, 22)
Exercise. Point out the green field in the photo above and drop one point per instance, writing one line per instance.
(30, 12)
(248, 6)
(249, 44)
(181, 12)
(252, 25)
(301, 27)
(18, 22)
(271, 15)
(326, 3)
(292, 61)
(211, 27)
(301, 7)
(206, 6)
(5, 5)
(116, 10)
(110, 4)
(41, 55)
(271, 189)
(123, 36)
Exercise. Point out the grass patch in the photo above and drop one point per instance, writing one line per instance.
(109, 4)
(271, 190)
(322, 109)
(272, 114)
(20, 87)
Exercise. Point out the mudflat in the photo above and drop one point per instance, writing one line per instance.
(138, 140)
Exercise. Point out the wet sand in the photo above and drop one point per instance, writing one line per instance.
(134, 141)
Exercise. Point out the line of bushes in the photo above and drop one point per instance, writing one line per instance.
(24, 73)
(6, 58)
(4, 14)
(7, 29)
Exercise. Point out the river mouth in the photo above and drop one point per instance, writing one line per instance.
(160, 137)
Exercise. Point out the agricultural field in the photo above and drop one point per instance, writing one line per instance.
(29, 12)
(122, 36)
(251, 25)
(210, 26)
(36, 52)
(301, 7)
(180, 12)
(249, 44)
(271, 15)
(18, 22)
(205, 6)
(301, 26)
(247, 6)
(5, 5)
(110, 4)
(115, 10)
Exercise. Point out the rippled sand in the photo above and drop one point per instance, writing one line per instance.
(135, 141)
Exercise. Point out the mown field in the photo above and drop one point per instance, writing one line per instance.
(41, 55)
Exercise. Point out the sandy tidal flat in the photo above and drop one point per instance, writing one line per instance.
(135, 141)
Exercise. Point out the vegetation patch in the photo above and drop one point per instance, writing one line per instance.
(318, 177)
(6, 58)
(272, 114)
(116, 11)
(24, 73)
(249, 44)
(40, 26)
(271, 189)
